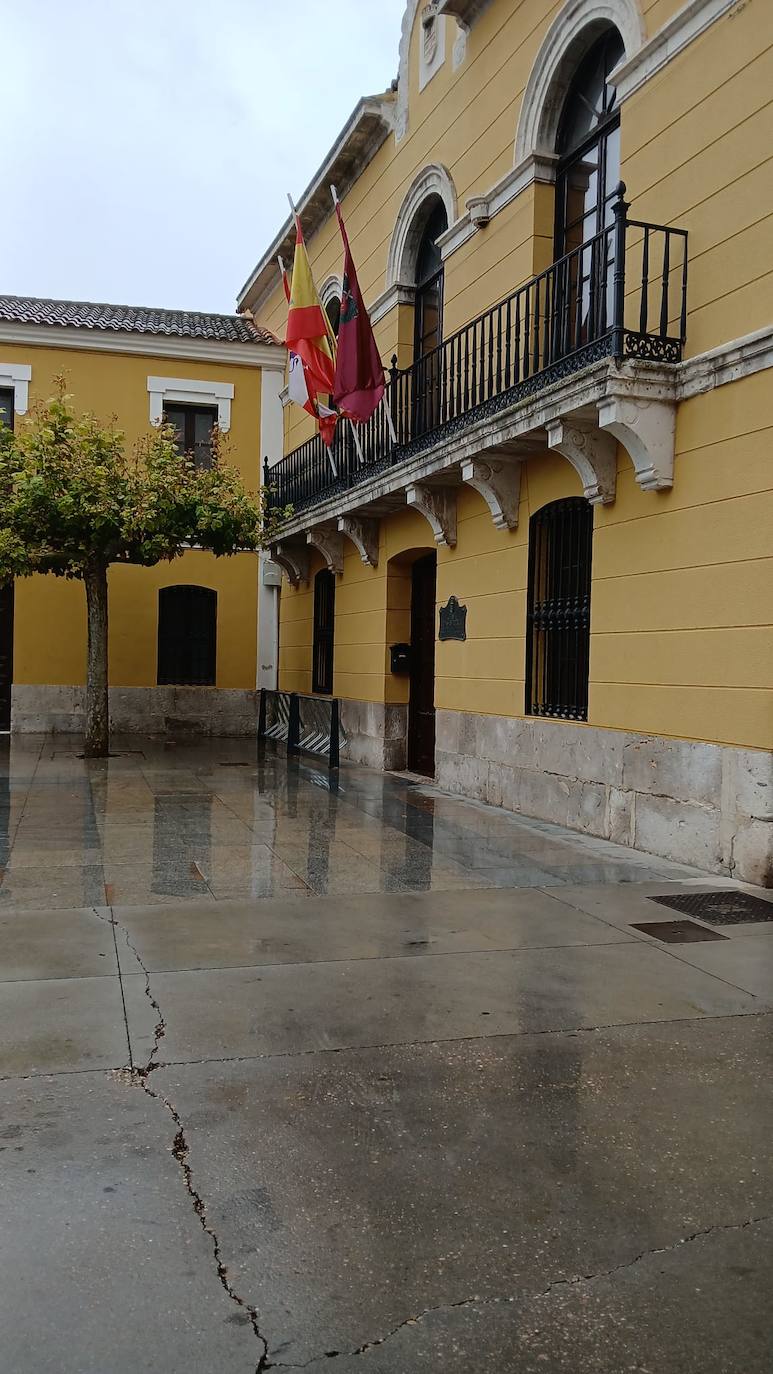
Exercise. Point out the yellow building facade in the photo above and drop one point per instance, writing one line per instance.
(183, 636)
(553, 592)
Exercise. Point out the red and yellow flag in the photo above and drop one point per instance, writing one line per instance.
(308, 329)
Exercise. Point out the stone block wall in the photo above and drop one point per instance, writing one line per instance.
(704, 804)
(47, 709)
(376, 734)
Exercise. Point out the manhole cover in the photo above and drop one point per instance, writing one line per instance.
(677, 932)
(721, 907)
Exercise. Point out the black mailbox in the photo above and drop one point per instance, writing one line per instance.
(400, 658)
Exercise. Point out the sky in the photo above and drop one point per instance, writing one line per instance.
(150, 144)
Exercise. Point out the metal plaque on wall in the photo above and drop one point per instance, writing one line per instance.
(453, 620)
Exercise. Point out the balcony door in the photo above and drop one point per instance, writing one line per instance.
(588, 174)
(421, 705)
(428, 323)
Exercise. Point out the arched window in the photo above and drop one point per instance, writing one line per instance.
(589, 147)
(428, 322)
(558, 609)
(428, 330)
(324, 632)
(187, 636)
(333, 311)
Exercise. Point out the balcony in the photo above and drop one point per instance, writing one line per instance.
(577, 358)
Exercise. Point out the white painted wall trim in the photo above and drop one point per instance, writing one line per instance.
(685, 26)
(481, 209)
(432, 42)
(388, 300)
(157, 345)
(432, 180)
(189, 392)
(729, 362)
(16, 377)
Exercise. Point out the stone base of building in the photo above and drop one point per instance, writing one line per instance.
(703, 804)
(376, 734)
(54, 709)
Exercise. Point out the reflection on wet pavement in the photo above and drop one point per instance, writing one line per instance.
(157, 823)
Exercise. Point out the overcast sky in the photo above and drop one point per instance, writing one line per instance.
(149, 143)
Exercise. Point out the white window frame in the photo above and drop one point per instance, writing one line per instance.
(16, 377)
(185, 391)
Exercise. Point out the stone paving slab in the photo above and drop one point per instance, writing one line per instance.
(56, 944)
(353, 1191)
(278, 931)
(59, 1025)
(288, 1009)
(106, 1268)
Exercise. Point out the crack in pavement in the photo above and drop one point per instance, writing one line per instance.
(534, 1297)
(138, 1076)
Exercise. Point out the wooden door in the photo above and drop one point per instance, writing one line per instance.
(6, 654)
(421, 707)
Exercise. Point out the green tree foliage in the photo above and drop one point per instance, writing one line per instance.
(74, 499)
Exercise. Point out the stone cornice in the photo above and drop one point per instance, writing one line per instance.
(367, 129)
(685, 26)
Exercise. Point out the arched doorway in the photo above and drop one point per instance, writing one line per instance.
(428, 321)
(421, 701)
(588, 146)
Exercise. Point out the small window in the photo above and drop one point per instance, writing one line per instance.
(324, 630)
(333, 312)
(194, 425)
(6, 407)
(187, 636)
(558, 612)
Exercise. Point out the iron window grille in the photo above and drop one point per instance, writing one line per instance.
(194, 425)
(558, 610)
(187, 636)
(6, 407)
(324, 632)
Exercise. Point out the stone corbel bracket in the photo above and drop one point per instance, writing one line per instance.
(646, 425)
(293, 559)
(363, 533)
(499, 483)
(593, 455)
(330, 543)
(438, 506)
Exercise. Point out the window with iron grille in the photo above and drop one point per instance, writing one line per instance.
(194, 425)
(6, 406)
(187, 636)
(324, 631)
(558, 610)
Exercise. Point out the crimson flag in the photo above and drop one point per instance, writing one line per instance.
(359, 375)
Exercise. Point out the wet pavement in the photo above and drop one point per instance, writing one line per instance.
(363, 1076)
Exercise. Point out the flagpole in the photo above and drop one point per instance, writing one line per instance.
(357, 444)
(390, 421)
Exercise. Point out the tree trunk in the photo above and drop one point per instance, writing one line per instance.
(97, 728)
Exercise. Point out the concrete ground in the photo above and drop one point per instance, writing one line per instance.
(365, 1077)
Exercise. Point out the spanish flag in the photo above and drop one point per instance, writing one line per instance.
(308, 329)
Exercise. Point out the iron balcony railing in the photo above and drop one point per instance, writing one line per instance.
(622, 294)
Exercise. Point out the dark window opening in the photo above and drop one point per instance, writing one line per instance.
(6, 407)
(333, 312)
(324, 632)
(588, 174)
(194, 425)
(187, 636)
(558, 610)
(428, 322)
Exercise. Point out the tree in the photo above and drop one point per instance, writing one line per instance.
(73, 500)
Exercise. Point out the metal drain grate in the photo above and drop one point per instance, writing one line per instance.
(677, 932)
(721, 907)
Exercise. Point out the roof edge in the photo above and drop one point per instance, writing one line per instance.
(367, 128)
